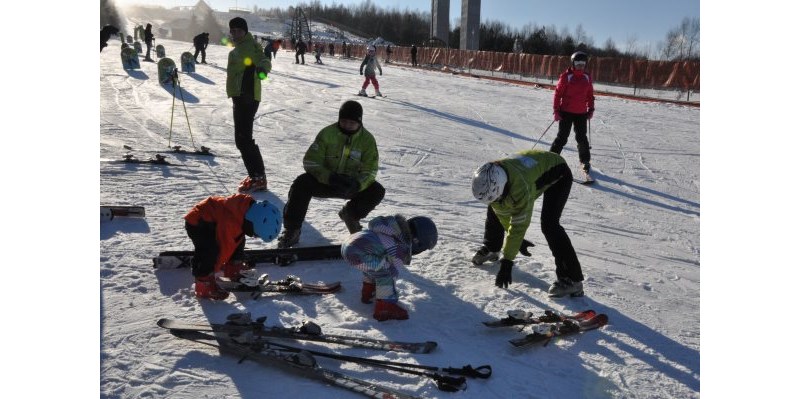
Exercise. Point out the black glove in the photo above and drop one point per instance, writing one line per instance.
(343, 184)
(523, 248)
(504, 275)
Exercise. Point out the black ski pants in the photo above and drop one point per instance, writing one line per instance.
(564, 126)
(206, 250)
(553, 201)
(244, 112)
(202, 52)
(306, 187)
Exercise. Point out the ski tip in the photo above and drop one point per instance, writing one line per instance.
(162, 322)
(429, 346)
(600, 320)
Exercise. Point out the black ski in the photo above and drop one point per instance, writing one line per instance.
(109, 212)
(546, 332)
(449, 383)
(289, 285)
(302, 363)
(203, 151)
(309, 331)
(278, 256)
(585, 178)
(523, 318)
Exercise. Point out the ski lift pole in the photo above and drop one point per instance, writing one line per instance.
(545, 131)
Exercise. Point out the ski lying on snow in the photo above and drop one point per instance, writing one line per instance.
(545, 332)
(204, 151)
(522, 318)
(302, 363)
(455, 381)
(289, 285)
(309, 331)
(278, 256)
(109, 212)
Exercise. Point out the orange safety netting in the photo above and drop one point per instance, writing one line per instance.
(683, 75)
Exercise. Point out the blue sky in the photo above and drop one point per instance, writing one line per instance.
(646, 20)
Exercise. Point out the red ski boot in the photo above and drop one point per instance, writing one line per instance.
(206, 287)
(385, 310)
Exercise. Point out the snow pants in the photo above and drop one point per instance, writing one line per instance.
(368, 79)
(200, 51)
(206, 251)
(564, 126)
(553, 201)
(244, 112)
(306, 187)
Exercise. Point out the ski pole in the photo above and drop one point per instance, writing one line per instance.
(171, 118)
(590, 134)
(443, 382)
(185, 112)
(545, 131)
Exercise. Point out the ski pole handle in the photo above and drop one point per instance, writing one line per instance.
(484, 371)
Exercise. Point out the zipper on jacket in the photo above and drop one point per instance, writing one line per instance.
(345, 154)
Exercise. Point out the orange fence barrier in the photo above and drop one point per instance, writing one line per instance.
(681, 75)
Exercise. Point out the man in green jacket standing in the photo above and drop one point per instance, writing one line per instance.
(342, 162)
(510, 187)
(247, 66)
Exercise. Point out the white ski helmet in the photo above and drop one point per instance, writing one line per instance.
(488, 182)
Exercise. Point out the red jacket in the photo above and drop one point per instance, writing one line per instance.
(228, 215)
(574, 92)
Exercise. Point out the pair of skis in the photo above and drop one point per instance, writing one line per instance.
(241, 324)
(248, 339)
(257, 285)
(550, 325)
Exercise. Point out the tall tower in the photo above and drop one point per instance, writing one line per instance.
(440, 16)
(470, 24)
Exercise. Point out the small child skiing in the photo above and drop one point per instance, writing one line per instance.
(318, 53)
(217, 226)
(371, 62)
(378, 251)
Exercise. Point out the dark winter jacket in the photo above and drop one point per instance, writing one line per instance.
(227, 214)
(301, 47)
(201, 41)
(574, 92)
(353, 155)
(148, 34)
(105, 34)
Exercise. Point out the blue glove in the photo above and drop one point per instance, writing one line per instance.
(504, 275)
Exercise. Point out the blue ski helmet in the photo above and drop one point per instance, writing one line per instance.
(266, 219)
(423, 234)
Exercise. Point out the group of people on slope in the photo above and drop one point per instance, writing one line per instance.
(342, 162)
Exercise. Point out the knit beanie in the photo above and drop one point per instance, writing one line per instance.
(238, 22)
(351, 110)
